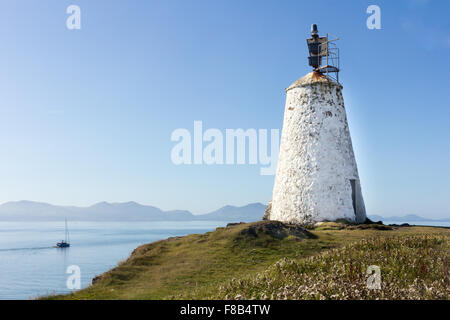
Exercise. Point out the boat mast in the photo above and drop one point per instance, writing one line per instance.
(67, 232)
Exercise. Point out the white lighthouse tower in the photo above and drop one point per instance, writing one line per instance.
(317, 177)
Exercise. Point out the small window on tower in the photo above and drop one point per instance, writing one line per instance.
(353, 184)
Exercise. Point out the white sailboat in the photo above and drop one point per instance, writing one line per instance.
(66, 242)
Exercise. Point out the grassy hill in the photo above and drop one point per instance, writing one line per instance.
(274, 260)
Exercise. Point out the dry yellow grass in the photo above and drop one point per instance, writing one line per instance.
(195, 266)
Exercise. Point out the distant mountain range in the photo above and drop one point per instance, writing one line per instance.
(126, 211)
(133, 211)
(407, 218)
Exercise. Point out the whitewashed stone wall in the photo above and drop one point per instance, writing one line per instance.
(316, 160)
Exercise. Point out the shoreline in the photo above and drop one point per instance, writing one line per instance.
(156, 270)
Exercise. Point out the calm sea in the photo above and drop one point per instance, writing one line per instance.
(30, 266)
(431, 223)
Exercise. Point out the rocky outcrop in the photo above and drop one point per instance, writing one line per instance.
(277, 230)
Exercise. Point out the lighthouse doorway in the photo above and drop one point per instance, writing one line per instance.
(353, 184)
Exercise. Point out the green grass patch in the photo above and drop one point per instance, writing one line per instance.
(197, 265)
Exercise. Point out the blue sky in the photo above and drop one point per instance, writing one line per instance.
(86, 115)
